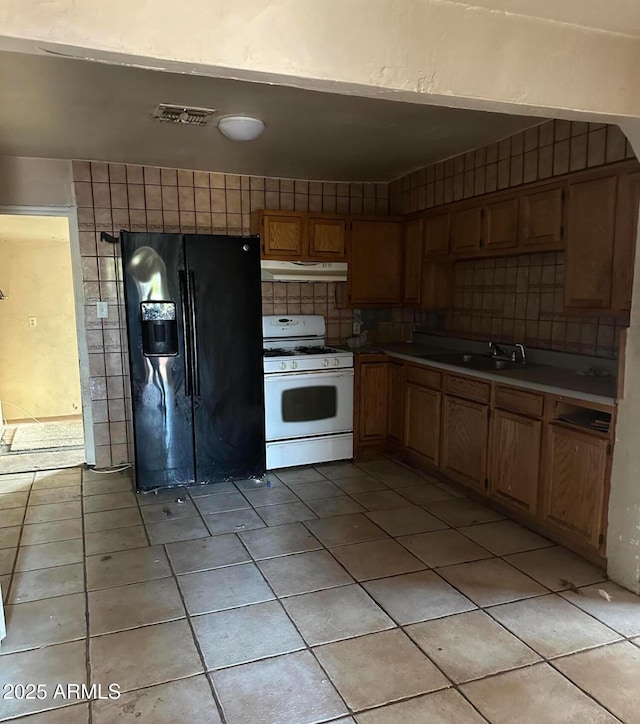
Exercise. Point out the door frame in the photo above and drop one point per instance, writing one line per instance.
(70, 213)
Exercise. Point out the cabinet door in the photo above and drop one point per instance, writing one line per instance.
(590, 236)
(282, 236)
(396, 401)
(515, 459)
(412, 261)
(373, 400)
(422, 422)
(327, 238)
(436, 234)
(542, 221)
(466, 229)
(575, 485)
(375, 263)
(500, 224)
(624, 249)
(464, 445)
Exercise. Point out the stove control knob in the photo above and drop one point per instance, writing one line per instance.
(294, 365)
(336, 362)
(283, 365)
(325, 362)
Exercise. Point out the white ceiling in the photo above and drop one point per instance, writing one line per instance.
(61, 108)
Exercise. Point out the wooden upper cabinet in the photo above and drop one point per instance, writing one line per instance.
(412, 261)
(542, 219)
(375, 262)
(282, 235)
(576, 482)
(436, 234)
(500, 224)
(464, 445)
(590, 237)
(327, 238)
(624, 248)
(466, 229)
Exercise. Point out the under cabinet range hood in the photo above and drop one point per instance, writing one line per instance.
(303, 271)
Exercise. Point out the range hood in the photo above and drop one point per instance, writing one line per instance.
(303, 271)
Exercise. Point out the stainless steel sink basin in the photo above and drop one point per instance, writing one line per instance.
(477, 361)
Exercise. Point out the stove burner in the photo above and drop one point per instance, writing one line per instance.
(314, 350)
(278, 353)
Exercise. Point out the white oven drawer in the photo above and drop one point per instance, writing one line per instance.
(307, 404)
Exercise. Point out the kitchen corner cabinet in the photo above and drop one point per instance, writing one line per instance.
(624, 246)
(422, 422)
(436, 234)
(376, 262)
(413, 252)
(371, 400)
(395, 423)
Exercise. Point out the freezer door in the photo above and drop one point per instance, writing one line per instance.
(226, 319)
(161, 387)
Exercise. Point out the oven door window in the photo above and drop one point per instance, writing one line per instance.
(306, 404)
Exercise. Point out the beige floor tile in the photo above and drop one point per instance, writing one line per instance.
(335, 614)
(491, 582)
(378, 669)
(611, 675)
(13, 500)
(11, 517)
(138, 604)
(196, 491)
(553, 627)
(315, 491)
(376, 559)
(7, 559)
(271, 496)
(110, 519)
(406, 521)
(233, 522)
(303, 573)
(75, 714)
(123, 567)
(338, 505)
(50, 496)
(534, 695)
(361, 483)
(345, 529)
(185, 700)
(504, 537)
(270, 480)
(9, 537)
(245, 634)
(61, 474)
(144, 656)
(443, 548)
(156, 497)
(42, 623)
(621, 613)
(417, 597)
(425, 493)
(51, 532)
(223, 588)
(47, 583)
(222, 503)
(109, 501)
(281, 540)
(107, 484)
(296, 476)
(287, 513)
(289, 689)
(441, 707)
(171, 531)
(339, 470)
(463, 511)
(380, 500)
(381, 467)
(205, 553)
(5, 583)
(118, 539)
(401, 479)
(47, 555)
(63, 663)
(470, 646)
(160, 512)
(557, 568)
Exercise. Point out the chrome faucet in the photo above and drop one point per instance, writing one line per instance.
(496, 350)
(523, 354)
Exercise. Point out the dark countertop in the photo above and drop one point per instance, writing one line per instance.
(542, 378)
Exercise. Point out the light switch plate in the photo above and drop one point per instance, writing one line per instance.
(102, 310)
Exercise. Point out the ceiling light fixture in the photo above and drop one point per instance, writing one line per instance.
(241, 128)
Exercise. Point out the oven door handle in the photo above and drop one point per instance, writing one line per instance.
(311, 373)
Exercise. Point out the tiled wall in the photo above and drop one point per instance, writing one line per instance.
(114, 196)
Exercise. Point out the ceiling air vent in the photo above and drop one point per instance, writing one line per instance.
(166, 113)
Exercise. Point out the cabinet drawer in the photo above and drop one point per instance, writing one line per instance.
(468, 389)
(424, 377)
(526, 403)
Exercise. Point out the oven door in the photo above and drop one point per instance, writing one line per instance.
(307, 404)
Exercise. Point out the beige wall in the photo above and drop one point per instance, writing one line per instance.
(38, 365)
(35, 182)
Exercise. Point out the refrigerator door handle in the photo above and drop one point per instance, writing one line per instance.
(194, 333)
(186, 324)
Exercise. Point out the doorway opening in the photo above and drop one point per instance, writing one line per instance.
(41, 424)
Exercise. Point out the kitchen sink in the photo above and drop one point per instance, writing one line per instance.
(477, 361)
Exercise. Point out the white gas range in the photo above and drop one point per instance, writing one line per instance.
(308, 393)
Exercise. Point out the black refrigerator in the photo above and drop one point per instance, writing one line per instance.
(193, 308)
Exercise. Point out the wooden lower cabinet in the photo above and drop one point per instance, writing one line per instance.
(395, 412)
(422, 422)
(371, 401)
(514, 459)
(465, 430)
(575, 485)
